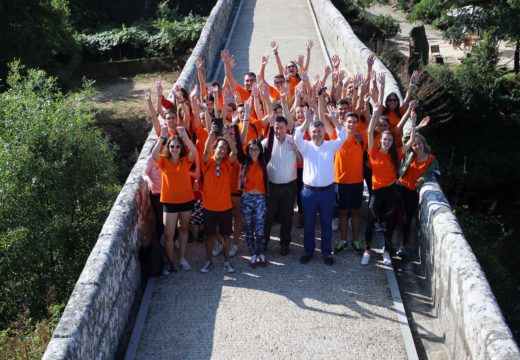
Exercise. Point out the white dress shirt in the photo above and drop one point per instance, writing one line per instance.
(281, 169)
(318, 161)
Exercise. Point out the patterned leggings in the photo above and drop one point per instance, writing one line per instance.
(253, 211)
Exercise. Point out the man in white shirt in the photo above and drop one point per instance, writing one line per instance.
(281, 171)
(318, 195)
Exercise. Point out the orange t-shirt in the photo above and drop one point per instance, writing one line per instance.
(293, 81)
(348, 163)
(251, 133)
(176, 181)
(216, 195)
(202, 137)
(415, 171)
(383, 171)
(394, 119)
(274, 93)
(255, 178)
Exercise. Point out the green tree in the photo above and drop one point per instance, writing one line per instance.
(35, 32)
(57, 183)
(498, 19)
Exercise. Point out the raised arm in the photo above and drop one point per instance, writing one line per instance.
(193, 153)
(410, 141)
(195, 106)
(232, 145)
(413, 81)
(227, 59)
(241, 156)
(404, 118)
(208, 145)
(274, 46)
(285, 107)
(308, 47)
(155, 121)
(199, 63)
(372, 125)
(156, 151)
(159, 89)
(381, 79)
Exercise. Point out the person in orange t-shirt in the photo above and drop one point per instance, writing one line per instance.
(216, 196)
(348, 176)
(384, 158)
(176, 194)
(254, 186)
(419, 165)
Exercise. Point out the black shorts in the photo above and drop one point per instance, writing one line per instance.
(224, 220)
(180, 207)
(349, 196)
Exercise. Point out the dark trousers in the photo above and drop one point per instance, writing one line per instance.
(382, 206)
(299, 183)
(318, 202)
(280, 205)
(410, 200)
(158, 211)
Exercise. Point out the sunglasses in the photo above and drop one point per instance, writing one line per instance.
(218, 170)
(175, 146)
(393, 100)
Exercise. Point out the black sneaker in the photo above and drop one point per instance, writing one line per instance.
(305, 259)
(328, 260)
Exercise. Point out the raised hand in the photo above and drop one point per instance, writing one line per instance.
(424, 122)
(147, 94)
(227, 95)
(303, 73)
(164, 131)
(370, 60)
(238, 98)
(225, 55)
(158, 86)
(414, 104)
(298, 90)
(300, 61)
(332, 111)
(194, 92)
(341, 75)
(414, 78)
(381, 78)
(265, 60)
(232, 61)
(284, 91)
(336, 61)
(264, 90)
(199, 63)
(358, 80)
(181, 131)
(309, 45)
(255, 90)
(274, 46)
(327, 70)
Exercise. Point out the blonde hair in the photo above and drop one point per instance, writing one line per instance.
(427, 148)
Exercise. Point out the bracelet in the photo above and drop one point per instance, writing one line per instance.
(275, 53)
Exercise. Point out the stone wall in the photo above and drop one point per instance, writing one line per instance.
(101, 305)
(340, 39)
(468, 316)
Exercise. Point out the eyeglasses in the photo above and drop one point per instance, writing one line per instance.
(218, 170)
(175, 146)
(254, 149)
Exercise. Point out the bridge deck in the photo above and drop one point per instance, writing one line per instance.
(286, 310)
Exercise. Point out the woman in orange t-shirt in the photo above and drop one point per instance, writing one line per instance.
(384, 159)
(176, 193)
(392, 107)
(254, 185)
(419, 165)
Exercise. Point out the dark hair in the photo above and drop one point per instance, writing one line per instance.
(215, 144)
(277, 105)
(179, 140)
(257, 143)
(281, 119)
(214, 83)
(352, 114)
(279, 76)
(208, 97)
(397, 110)
(343, 102)
(317, 123)
(233, 106)
(392, 151)
(250, 73)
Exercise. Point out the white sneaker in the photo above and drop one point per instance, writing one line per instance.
(365, 259)
(335, 224)
(233, 249)
(387, 260)
(228, 267)
(217, 250)
(184, 265)
(207, 266)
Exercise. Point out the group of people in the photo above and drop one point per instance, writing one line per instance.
(233, 158)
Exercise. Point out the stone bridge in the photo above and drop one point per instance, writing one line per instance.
(286, 310)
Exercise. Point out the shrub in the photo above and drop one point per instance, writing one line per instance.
(387, 27)
(57, 183)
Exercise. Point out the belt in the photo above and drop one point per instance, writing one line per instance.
(318, 188)
(284, 184)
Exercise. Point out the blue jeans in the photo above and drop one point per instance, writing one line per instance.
(323, 203)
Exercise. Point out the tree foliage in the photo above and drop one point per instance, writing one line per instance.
(57, 183)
